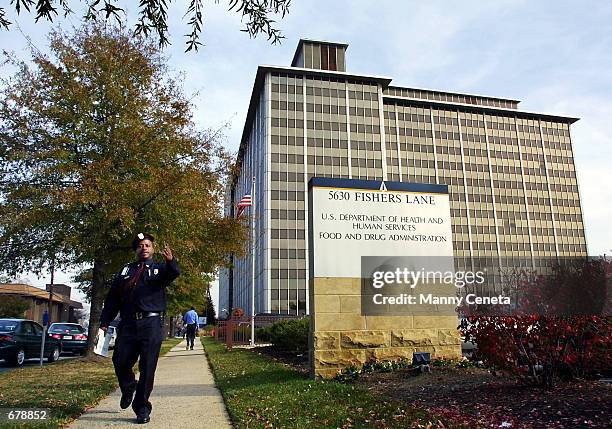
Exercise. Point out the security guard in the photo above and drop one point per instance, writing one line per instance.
(138, 292)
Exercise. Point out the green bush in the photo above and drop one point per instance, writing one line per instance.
(290, 335)
(262, 334)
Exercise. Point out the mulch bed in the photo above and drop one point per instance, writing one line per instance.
(475, 397)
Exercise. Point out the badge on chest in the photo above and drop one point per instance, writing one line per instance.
(152, 273)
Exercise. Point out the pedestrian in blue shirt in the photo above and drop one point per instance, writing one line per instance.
(191, 320)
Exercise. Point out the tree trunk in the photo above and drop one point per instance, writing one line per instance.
(97, 299)
(172, 326)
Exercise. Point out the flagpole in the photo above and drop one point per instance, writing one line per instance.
(253, 264)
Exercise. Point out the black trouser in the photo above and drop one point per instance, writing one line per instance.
(191, 332)
(138, 338)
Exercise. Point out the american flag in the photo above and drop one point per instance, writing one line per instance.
(245, 202)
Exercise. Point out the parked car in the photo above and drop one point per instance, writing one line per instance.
(72, 336)
(20, 340)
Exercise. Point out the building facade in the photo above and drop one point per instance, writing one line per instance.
(62, 308)
(511, 174)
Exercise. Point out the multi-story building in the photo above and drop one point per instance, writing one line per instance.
(510, 173)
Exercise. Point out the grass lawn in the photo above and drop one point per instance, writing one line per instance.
(67, 387)
(261, 393)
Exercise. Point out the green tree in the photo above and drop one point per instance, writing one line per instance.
(13, 306)
(209, 312)
(189, 290)
(97, 143)
(153, 16)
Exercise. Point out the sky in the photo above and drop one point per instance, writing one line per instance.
(554, 56)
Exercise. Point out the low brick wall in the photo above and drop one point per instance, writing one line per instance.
(341, 336)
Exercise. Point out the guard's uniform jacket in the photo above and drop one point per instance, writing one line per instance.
(148, 295)
(138, 293)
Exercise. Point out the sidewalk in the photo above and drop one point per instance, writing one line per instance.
(184, 396)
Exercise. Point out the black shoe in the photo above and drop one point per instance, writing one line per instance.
(191, 347)
(126, 399)
(143, 418)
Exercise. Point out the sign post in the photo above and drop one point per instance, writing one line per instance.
(45, 321)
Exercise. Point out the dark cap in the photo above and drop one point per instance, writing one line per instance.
(139, 237)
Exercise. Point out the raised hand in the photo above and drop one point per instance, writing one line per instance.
(167, 253)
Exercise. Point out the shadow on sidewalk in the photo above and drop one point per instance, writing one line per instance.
(178, 390)
(182, 353)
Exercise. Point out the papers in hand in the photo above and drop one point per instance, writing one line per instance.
(102, 343)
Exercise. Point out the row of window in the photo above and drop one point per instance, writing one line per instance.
(512, 229)
(288, 140)
(288, 214)
(407, 117)
(560, 159)
(503, 126)
(277, 253)
(481, 167)
(340, 93)
(416, 148)
(445, 120)
(563, 188)
(560, 130)
(365, 128)
(568, 217)
(450, 97)
(365, 145)
(419, 163)
(282, 88)
(291, 234)
(506, 169)
(567, 146)
(328, 144)
(493, 125)
(369, 163)
(337, 161)
(284, 273)
(287, 158)
(287, 195)
(540, 215)
(567, 174)
(570, 232)
(414, 132)
(286, 176)
(559, 202)
(479, 213)
(503, 246)
(327, 109)
(423, 119)
(455, 150)
(572, 248)
(287, 105)
(277, 293)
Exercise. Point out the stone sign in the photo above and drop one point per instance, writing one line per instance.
(354, 219)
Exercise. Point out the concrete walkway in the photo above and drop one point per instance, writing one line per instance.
(184, 396)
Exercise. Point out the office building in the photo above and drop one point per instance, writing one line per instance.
(510, 173)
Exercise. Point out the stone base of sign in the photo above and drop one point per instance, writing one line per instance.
(342, 337)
